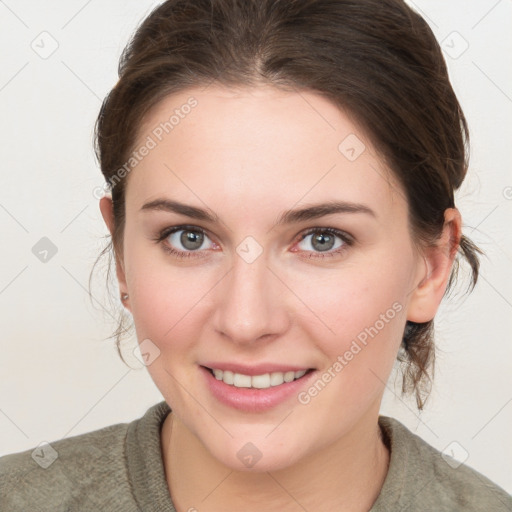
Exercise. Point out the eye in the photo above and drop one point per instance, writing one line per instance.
(323, 241)
(188, 242)
(183, 241)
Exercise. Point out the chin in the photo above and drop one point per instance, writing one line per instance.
(257, 456)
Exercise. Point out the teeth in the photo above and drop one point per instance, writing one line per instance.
(260, 381)
(257, 381)
(276, 378)
(241, 381)
(289, 376)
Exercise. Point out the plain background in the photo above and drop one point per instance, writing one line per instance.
(60, 378)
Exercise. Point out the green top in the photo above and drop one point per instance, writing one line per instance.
(120, 468)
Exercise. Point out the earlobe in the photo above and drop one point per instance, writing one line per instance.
(437, 266)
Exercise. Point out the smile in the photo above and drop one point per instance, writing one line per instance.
(256, 388)
(263, 381)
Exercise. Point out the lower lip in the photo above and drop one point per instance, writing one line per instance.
(251, 399)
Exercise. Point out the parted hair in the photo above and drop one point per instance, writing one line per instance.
(378, 60)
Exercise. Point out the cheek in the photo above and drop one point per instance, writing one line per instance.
(344, 305)
(161, 295)
(364, 311)
(167, 309)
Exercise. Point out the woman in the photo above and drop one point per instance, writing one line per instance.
(281, 207)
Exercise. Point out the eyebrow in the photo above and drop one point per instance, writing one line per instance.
(288, 217)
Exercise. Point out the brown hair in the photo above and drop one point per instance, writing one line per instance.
(378, 60)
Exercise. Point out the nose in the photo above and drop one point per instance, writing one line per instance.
(250, 303)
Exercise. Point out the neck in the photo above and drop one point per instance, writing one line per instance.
(345, 476)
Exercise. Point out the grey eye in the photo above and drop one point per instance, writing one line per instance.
(321, 241)
(189, 239)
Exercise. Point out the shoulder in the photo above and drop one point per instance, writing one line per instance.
(85, 470)
(420, 477)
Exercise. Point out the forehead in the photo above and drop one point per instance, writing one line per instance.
(256, 147)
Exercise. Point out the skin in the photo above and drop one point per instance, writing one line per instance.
(248, 155)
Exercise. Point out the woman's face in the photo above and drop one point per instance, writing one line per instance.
(257, 287)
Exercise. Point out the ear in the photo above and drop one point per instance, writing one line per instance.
(107, 211)
(438, 263)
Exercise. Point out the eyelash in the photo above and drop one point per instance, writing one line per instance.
(345, 238)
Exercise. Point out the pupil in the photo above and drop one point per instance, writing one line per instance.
(191, 240)
(325, 241)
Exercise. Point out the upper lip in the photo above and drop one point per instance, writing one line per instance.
(256, 369)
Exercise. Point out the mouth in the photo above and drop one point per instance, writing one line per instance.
(261, 381)
(256, 387)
